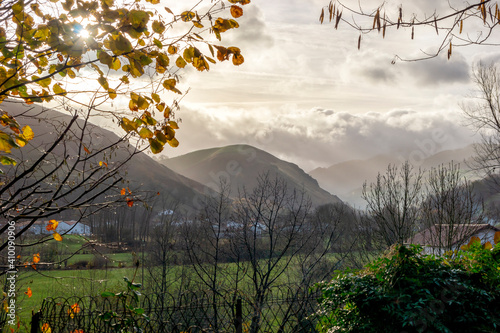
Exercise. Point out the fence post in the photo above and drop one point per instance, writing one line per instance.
(35, 322)
(238, 321)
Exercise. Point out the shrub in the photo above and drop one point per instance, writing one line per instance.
(405, 291)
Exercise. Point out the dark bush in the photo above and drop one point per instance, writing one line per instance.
(406, 291)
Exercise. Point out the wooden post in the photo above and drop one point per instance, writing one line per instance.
(238, 321)
(35, 322)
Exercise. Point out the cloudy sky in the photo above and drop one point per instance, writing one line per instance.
(306, 94)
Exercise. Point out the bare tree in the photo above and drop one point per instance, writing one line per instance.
(461, 24)
(484, 116)
(71, 173)
(450, 210)
(274, 220)
(393, 202)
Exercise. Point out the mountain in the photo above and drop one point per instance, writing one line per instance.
(142, 173)
(346, 179)
(241, 166)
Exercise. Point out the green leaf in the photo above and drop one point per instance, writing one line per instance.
(7, 160)
(103, 82)
(158, 27)
(107, 294)
(156, 146)
(105, 58)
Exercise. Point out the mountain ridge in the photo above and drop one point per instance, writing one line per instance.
(240, 165)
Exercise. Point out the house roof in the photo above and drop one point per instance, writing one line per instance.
(438, 234)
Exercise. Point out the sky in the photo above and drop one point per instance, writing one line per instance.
(307, 95)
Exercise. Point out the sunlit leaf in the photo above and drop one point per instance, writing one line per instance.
(36, 258)
(52, 225)
(57, 237)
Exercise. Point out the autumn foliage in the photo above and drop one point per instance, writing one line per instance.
(51, 49)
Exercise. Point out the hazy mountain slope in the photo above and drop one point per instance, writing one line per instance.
(141, 173)
(346, 179)
(241, 165)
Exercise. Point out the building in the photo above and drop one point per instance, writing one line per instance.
(444, 237)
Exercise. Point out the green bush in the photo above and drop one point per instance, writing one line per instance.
(405, 291)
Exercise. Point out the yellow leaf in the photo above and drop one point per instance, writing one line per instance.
(170, 85)
(172, 49)
(173, 124)
(145, 133)
(57, 237)
(58, 90)
(174, 143)
(156, 98)
(180, 62)
(28, 133)
(112, 93)
(187, 16)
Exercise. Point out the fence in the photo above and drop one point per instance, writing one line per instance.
(282, 310)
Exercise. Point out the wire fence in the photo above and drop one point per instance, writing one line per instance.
(283, 309)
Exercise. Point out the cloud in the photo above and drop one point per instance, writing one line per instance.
(320, 137)
(439, 70)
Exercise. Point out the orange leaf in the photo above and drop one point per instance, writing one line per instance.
(29, 293)
(236, 11)
(130, 202)
(57, 237)
(86, 150)
(36, 258)
(123, 191)
(52, 225)
(496, 238)
(46, 328)
(473, 240)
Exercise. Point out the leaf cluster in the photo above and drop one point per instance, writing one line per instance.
(48, 48)
(407, 291)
